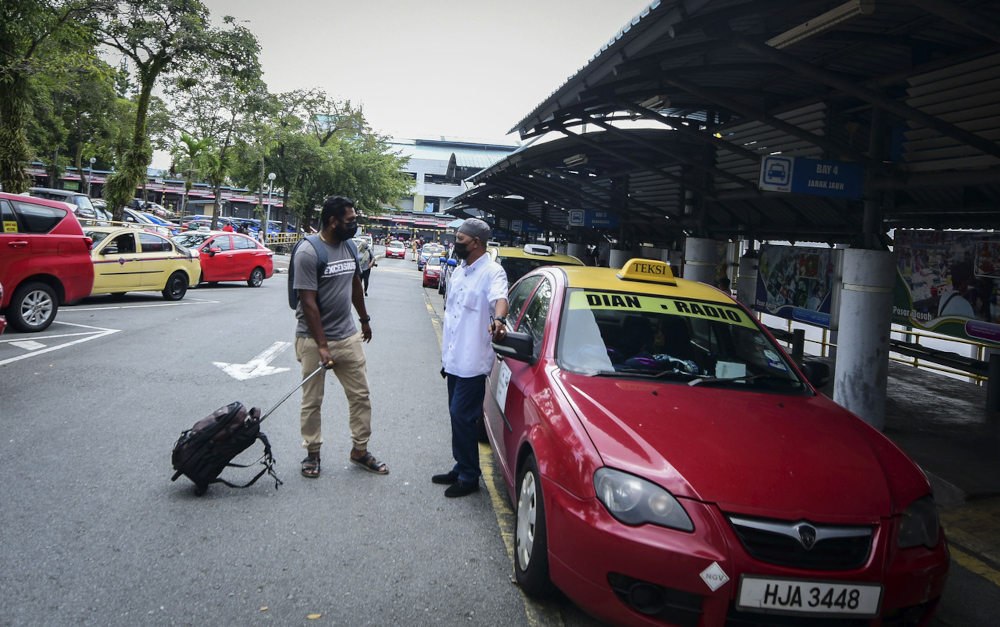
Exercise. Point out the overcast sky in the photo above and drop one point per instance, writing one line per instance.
(467, 68)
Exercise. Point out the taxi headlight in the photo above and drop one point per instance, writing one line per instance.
(635, 501)
(920, 525)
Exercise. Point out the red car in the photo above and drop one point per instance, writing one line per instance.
(670, 465)
(395, 249)
(229, 256)
(432, 271)
(44, 260)
(3, 321)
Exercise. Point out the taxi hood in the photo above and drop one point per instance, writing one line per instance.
(752, 453)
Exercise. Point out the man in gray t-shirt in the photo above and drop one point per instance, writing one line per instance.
(325, 334)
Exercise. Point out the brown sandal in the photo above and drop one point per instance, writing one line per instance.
(310, 466)
(369, 463)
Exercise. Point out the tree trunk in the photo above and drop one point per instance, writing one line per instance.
(120, 186)
(15, 108)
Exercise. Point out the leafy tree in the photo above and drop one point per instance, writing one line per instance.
(162, 36)
(189, 157)
(370, 173)
(27, 29)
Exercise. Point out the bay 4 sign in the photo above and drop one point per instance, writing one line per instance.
(811, 176)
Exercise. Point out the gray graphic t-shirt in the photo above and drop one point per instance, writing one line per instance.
(333, 294)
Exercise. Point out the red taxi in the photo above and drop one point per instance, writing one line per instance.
(229, 256)
(433, 268)
(670, 465)
(395, 249)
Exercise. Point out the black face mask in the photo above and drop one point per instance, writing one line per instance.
(462, 250)
(346, 231)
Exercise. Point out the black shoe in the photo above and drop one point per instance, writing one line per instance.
(447, 478)
(461, 489)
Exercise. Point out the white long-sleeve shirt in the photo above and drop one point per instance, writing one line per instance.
(473, 291)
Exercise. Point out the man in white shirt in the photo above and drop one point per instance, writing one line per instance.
(476, 306)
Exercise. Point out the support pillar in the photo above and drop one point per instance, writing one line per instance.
(700, 257)
(619, 258)
(865, 321)
(746, 284)
(577, 250)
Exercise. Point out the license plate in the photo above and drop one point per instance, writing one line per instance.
(795, 596)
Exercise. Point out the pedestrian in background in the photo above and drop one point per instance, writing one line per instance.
(326, 335)
(367, 260)
(476, 306)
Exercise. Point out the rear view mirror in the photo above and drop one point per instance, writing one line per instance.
(452, 262)
(817, 372)
(213, 250)
(519, 346)
(110, 249)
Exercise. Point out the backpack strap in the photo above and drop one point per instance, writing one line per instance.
(267, 460)
(321, 257)
(351, 246)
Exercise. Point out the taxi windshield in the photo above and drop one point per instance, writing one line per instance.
(190, 240)
(629, 335)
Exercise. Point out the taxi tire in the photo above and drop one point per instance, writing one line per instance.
(34, 294)
(532, 577)
(256, 277)
(176, 286)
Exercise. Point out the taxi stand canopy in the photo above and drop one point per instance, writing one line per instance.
(667, 125)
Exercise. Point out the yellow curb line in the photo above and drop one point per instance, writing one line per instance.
(973, 565)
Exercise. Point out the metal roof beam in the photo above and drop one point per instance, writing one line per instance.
(776, 123)
(616, 195)
(966, 18)
(676, 154)
(864, 93)
(639, 164)
(602, 204)
(680, 127)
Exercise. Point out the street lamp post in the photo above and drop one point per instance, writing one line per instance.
(267, 216)
(90, 175)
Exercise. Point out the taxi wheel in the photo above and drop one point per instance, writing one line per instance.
(33, 307)
(176, 287)
(256, 277)
(531, 560)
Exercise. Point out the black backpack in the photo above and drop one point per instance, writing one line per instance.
(206, 449)
(321, 261)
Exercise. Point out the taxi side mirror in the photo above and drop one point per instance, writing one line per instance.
(452, 262)
(817, 373)
(519, 346)
(110, 249)
(213, 250)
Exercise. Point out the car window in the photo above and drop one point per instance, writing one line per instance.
(125, 243)
(222, 243)
(533, 320)
(517, 267)
(244, 243)
(673, 339)
(9, 219)
(38, 218)
(154, 243)
(518, 297)
(190, 240)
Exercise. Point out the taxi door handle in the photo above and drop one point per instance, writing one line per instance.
(18, 243)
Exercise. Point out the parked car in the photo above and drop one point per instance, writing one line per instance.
(432, 270)
(517, 262)
(44, 260)
(229, 256)
(426, 252)
(395, 250)
(82, 205)
(670, 464)
(3, 321)
(149, 222)
(130, 259)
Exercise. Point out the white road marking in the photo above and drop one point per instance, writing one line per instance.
(256, 367)
(28, 345)
(98, 332)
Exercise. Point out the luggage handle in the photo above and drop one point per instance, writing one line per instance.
(278, 404)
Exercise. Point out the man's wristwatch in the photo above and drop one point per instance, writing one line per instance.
(365, 320)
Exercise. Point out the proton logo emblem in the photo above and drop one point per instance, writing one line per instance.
(807, 535)
(121, 262)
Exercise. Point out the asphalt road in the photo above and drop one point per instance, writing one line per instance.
(92, 531)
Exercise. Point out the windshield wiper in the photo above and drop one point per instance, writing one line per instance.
(646, 373)
(712, 380)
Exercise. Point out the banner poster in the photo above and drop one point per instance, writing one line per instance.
(947, 282)
(795, 283)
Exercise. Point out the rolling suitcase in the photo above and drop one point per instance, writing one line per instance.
(206, 449)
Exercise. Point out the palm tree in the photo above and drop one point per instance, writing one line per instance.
(193, 152)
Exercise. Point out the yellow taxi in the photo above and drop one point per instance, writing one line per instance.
(671, 465)
(518, 262)
(129, 259)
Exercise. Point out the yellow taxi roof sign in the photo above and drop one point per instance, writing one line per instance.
(647, 270)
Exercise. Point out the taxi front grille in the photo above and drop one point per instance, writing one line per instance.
(803, 544)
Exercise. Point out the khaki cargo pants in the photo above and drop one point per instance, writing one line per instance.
(349, 366)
